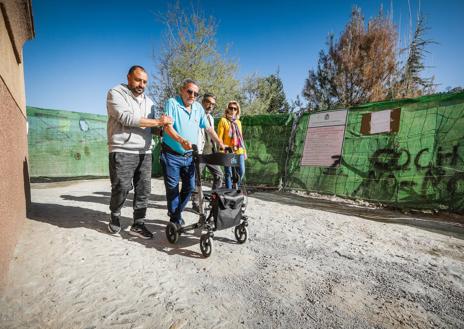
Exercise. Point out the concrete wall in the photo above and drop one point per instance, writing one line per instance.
(16, 26)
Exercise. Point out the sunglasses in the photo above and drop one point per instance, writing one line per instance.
(191, 92)
(212, 103)
(232, 108)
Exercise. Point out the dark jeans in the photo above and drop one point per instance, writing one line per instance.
(177, 168)
(129, 171)
(217, 178)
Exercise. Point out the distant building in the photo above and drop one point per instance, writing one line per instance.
(16, 26)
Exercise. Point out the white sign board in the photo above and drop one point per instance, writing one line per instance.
(380, 122)
(324, 139)
(325, 119)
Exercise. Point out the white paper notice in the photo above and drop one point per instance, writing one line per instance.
(380, 122)
(324, 139)
(323, 146)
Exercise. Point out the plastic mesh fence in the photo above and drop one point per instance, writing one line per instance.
(266, 138)
(420, 166)
(66, 144)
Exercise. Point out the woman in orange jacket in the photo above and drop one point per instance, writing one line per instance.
(230, 132)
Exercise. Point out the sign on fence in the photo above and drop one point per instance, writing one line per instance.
(324, 139)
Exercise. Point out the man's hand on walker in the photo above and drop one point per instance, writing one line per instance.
(165, 120)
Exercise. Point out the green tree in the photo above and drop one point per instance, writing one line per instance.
(320, 88)
(411, 83)
(191, 52)
(261, 95)
(297, 105)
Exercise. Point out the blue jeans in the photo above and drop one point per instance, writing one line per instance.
(177, 168)
(240, 169)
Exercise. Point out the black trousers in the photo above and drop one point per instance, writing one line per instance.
(129, 171)
(218, 177)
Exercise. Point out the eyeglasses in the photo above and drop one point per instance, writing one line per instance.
(232, 108)
(191, 92)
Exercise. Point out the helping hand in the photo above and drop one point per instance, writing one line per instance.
(165, 120)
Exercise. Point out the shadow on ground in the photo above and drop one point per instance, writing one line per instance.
(76, 217)
(104, 198)
(438, 224)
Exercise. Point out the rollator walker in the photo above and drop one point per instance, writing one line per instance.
(219, 209)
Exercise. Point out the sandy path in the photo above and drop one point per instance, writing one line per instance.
(307, 264)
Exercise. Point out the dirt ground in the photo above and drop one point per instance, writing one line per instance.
(308, 263)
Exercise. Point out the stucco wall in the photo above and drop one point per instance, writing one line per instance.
(15, 28)
(10, 70)
(14, 180)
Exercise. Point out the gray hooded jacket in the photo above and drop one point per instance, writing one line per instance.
(124, 114)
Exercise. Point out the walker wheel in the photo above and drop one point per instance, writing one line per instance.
(171, 232)
(206, 245)
(241, 233)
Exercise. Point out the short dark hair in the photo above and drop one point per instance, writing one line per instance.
(209, 95)
(187, 81)
(135, 67)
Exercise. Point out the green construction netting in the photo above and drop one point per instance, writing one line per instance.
(266, 138)
(420, 166)
(66, 144)
(156, 166)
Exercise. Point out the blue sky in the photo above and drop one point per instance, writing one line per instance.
(83, 47)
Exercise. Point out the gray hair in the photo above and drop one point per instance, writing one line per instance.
(187, 81)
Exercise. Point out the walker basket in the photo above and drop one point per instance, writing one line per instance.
(227, 208)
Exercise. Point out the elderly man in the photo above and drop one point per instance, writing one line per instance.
(176, 156)
(130, 118)
(206, 145)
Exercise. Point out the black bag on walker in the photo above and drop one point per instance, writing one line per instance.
(227, 208)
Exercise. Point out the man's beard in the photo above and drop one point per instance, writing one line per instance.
(138, 90)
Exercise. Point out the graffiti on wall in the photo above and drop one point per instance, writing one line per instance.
(441, 178)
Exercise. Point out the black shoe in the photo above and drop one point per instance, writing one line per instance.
(179, 222)
(114, 226)
(141, 231)
(196, 208)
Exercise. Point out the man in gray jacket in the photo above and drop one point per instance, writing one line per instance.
(130, 118)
